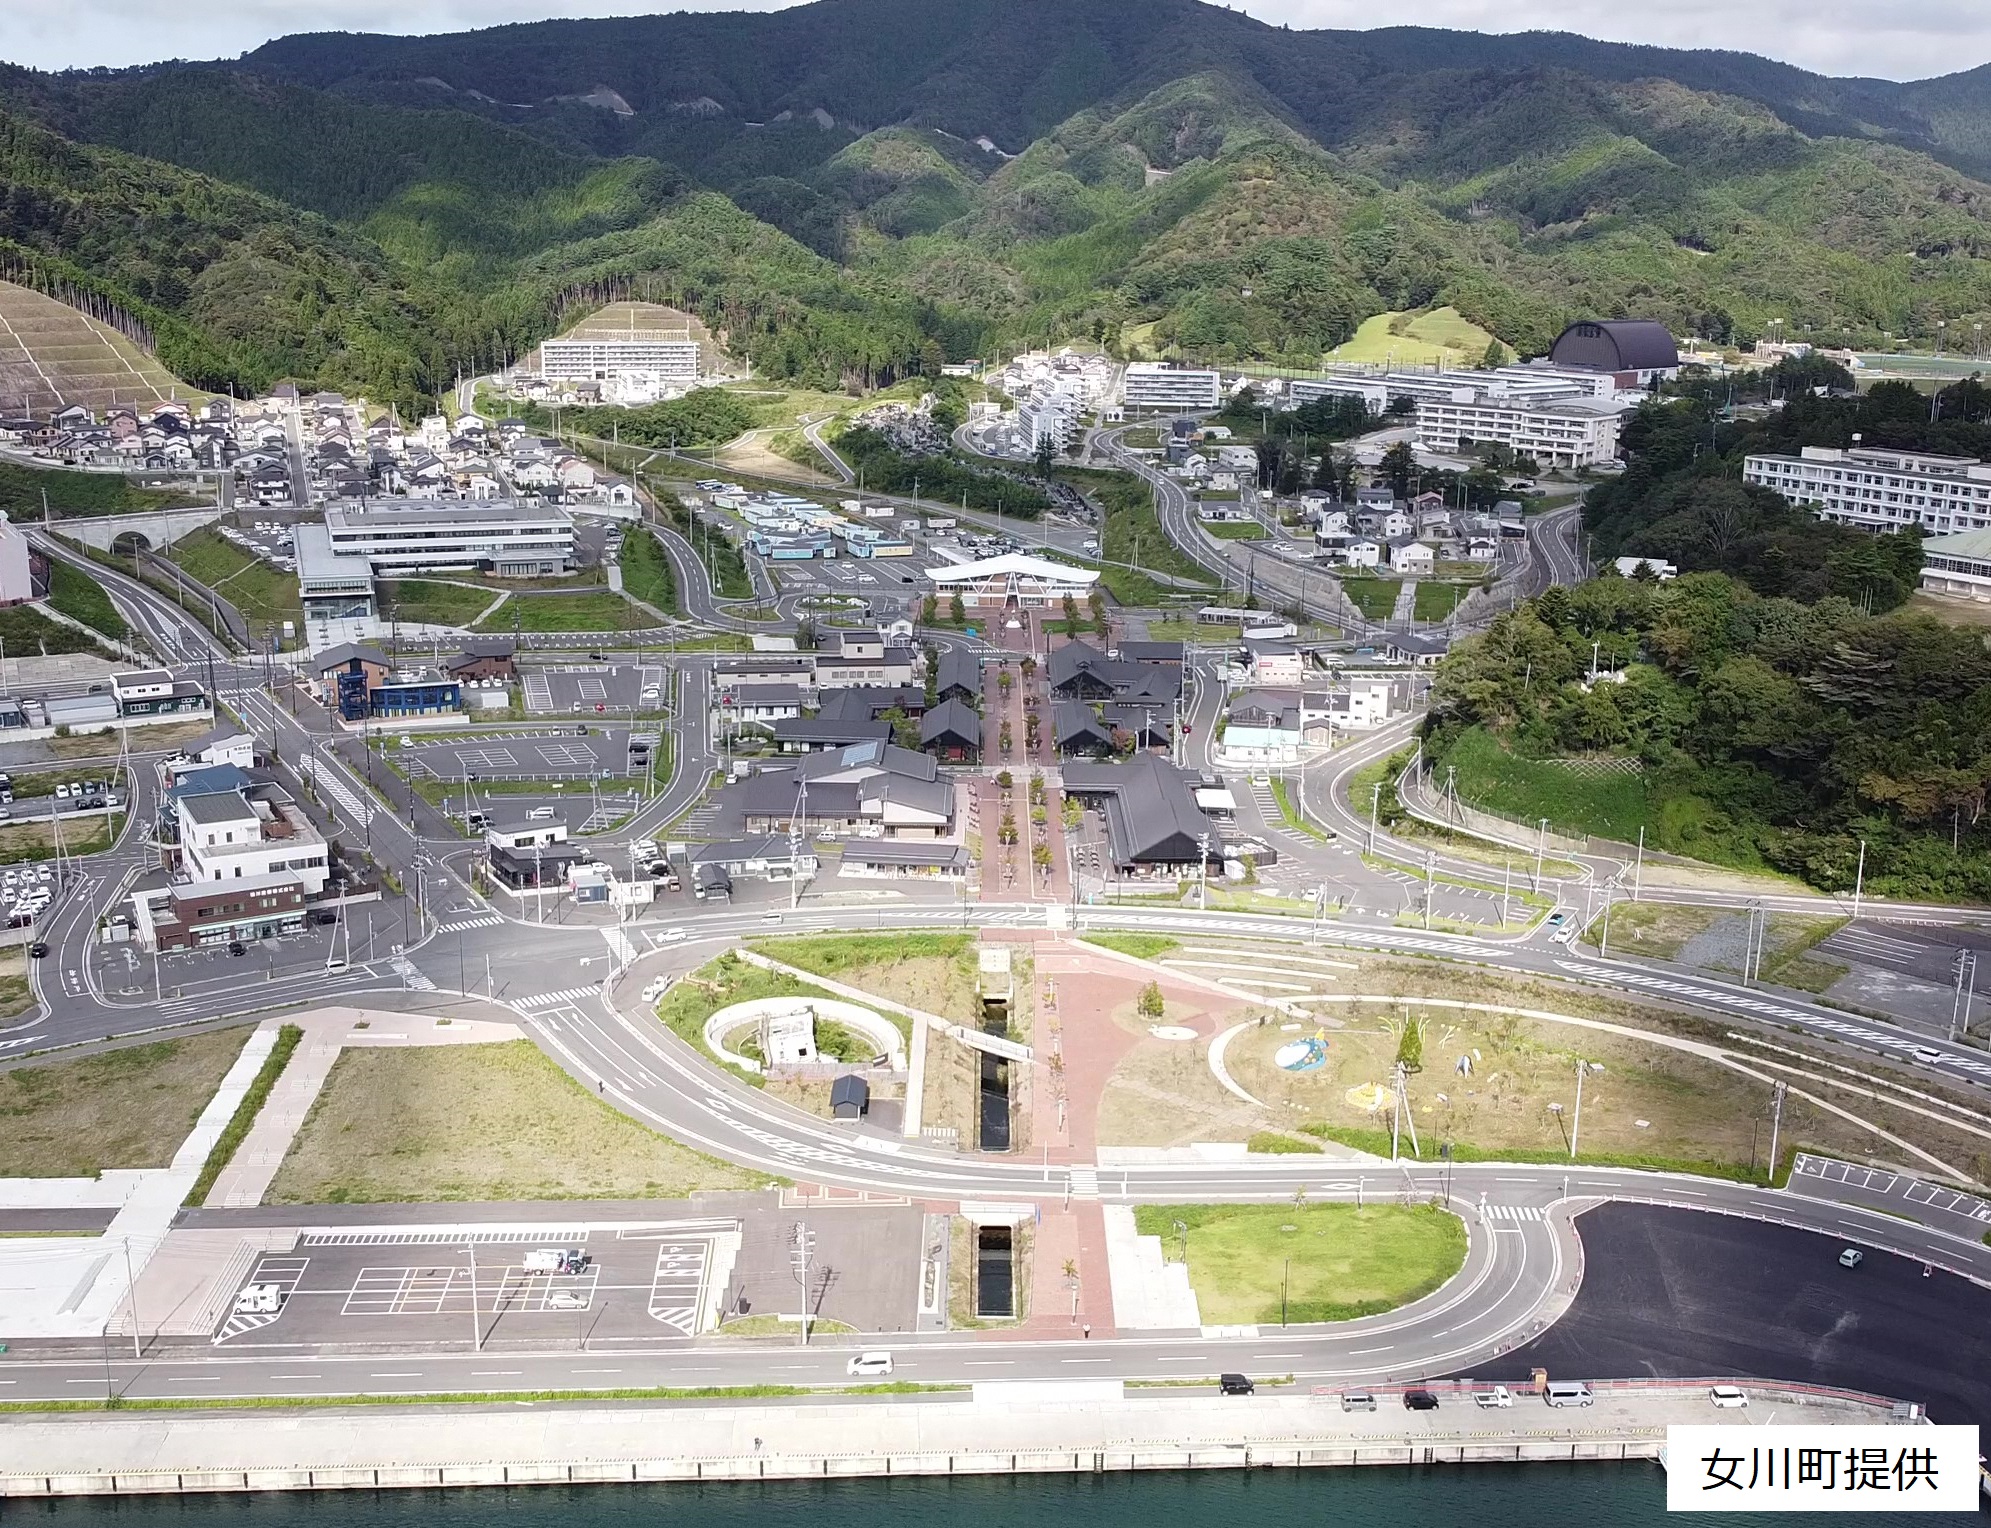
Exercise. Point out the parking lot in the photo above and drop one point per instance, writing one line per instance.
(528, 754)
(605, 689)
(372, 930)
(635, 1281)
(269, 539)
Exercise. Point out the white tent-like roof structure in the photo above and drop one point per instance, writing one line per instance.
(1031, 578)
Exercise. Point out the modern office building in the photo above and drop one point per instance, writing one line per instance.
(1578, 432)
(1880, 489)
(669, 357)
(1148, 386)
(500, 536)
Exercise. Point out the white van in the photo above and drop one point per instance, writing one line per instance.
(1568, 1393)
(259, 1300)
(540, 814)
(869, 1363)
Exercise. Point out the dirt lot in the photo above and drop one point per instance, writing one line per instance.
(15, 998)
(478, 1122)
(125, 1108)
(1718, 940)
(1650, 1103)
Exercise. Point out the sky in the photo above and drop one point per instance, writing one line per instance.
(1893, 39)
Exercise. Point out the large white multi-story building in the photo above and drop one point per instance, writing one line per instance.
(512, 539)
(1014, 580)
(1516, 384)
(670, 359)
(1577, 432)
(1880, 489)
(237, 835)
(1048, 417)
(1149, 385)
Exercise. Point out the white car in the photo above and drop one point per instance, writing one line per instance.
(674, 935)
(566, 1299)
(869, 1363)
(1928, 1055)
(1727, 1397)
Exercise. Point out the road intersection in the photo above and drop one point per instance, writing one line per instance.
(444, 936)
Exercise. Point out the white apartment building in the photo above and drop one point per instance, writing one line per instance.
(237, 835)
(1151, 385)
(1881, 489)
(1577, 432)
(1518, 384)
(668, 358)
(515, 540)
(1048, 417)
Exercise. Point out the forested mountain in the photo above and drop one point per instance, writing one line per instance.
(841, 185)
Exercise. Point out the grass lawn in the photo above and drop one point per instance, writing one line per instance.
(124, 1108)
(82, 598)
(429, 602)
(594, 610)
(724, 562)
(1193, 631)
(252, 586)
(1374, 597)
(1234, 530)
(1440, 336)
(720, 984)
(22, 841)
(1290, 810)
(27, 630)
(478, 1122)
(1437, 600)
(1613, 804)
(646, 572)
(1141, 946)
(24, 490)
(1342, 1261)
(1130, 533)
(933, 972)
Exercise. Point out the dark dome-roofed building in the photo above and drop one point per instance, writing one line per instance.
(1627, 347)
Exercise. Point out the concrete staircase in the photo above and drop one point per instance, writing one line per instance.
(1149, 1292)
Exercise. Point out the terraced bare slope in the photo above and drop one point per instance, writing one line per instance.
(619, 319)
(51, 356)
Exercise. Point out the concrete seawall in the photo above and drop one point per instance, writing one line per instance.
(369, 1448)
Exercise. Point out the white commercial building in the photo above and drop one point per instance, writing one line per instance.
(668, 358)
(1578, 432)
(1881, 489)
(1015, 579)
(238, 835)
(514, 540)
(1149, 385)
(1517, 384)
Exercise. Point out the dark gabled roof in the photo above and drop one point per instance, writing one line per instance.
(935, 796)
(830, 730)
(1073, 721)
(1151, 811)
(871, 700)
(1616, 344)
(767, 695)
(345, 652)
(1142, 720)
(959, 669)
(487, 647)
(1152, 652)
(952, 720)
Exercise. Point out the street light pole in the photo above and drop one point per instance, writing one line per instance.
(476, 1322)
(1859, 880)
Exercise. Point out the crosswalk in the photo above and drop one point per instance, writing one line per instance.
(458, 925)
(1514, 1212)
(1085, 1182)
(556, 999)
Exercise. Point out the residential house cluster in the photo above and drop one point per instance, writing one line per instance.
(1408, 538)
(164, 437)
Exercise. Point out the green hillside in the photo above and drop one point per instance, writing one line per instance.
(379, 213)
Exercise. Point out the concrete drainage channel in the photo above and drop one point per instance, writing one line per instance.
(995, 1271)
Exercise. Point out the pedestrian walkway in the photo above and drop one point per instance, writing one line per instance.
(1149, 1292)
(555, 999)
(1406, 605)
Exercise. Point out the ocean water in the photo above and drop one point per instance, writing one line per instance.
(1630, 1495)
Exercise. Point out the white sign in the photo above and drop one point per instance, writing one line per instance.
(1821, 1468)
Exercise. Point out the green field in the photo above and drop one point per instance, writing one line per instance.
(594, 610)
(27, 630)
(1437, 600)
(1612, 805)
(25, 490)
(1440, 336)
(426, 602)
(262, 593)
(725, 562)
(1374, 597)
(1330, 1262)
(646, 572)
(80, 597)
(1234, 530)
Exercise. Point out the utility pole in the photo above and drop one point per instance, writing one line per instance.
(1776, 1124)
(1638, 871)
(1203, 872)
(1859, 880)
(476, 1322)
(801, 1242)
(1604, 946)
(1375, 805)
(1430, 861)
(1576, 1119)
(1966, 991)
(1541, 842)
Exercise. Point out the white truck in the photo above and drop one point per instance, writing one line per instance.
(555, 1260)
